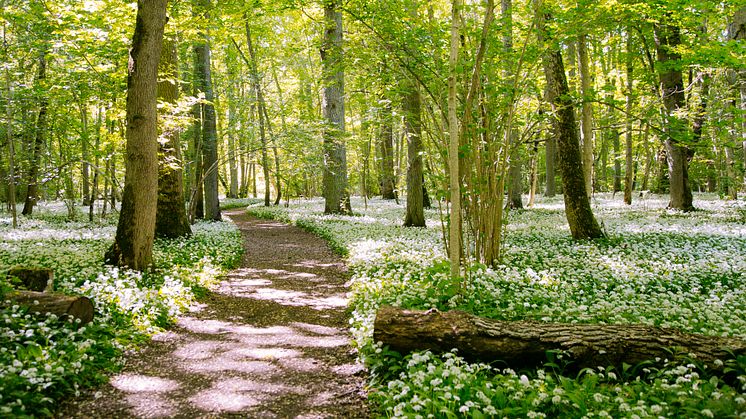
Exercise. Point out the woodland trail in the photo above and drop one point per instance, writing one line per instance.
(271, 342)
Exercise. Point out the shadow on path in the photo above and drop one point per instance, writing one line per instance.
(270, 342)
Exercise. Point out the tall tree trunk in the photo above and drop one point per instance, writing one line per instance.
(336, 194)
(11, 150)
(586, 120)
(515, 187)
(133, 245)
(737, 31)
(550, 188)
(386, 148)
(171, 218)
(258, 94)
(415, 216)
(85, 153)
(628, 176)
(454, 185)
(534, 176)
(197, 200)
(232, 132)
(583, 224)
(209, 123)
(32, 192)
(667, 39)
(96, 159)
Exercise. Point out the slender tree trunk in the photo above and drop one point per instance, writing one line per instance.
(583, 224)
(209, 123)
(258, 95)
(454, 186)
(515, 187)
(171, 218)
(232, 132)
(415, 216)
(336, 194)
(85, 144)
(32, 192)
(550, 189)
(386, 148)
(534, 176)
(737, 31)
(667, 39)
(133, 245)
(586, 121)
(628, 175)
(11, 150)
(96, 158)
(197, 200)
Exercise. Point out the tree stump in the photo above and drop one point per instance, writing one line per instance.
(34, 279)
(525, 343)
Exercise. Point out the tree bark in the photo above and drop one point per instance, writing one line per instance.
(386, 149)
(628, 178)
(133, 245)
(171, 219)
(336, 194)
(523, 344)
(454, 184)
(580, 217)
(209, 124)
(32, 192)
(415, 215)
(258, 94)
(58, 304)
(586, 121)
(667, 39)
(515, 186)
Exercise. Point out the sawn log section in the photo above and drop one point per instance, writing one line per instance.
(524, 343)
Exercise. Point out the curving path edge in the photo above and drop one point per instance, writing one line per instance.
(270, 342)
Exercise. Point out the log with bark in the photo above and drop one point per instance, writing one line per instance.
(525, 343)
(59, 304)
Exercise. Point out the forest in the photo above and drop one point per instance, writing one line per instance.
(425, 208)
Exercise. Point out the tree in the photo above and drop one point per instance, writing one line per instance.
(415, 216)
(32, 192)
(336, 194)
(667, 39)
(586, 120)
(171, 218)
(203, 72)
(386, 150)
(133, 244)
(454, 185)
(583, 224)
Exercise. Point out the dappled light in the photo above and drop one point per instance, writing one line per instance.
(270, 341)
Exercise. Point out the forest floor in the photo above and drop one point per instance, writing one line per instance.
(271, 341)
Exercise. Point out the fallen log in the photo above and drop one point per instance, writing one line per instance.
(525, 343)
(53, 303)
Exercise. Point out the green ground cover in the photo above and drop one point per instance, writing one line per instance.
(658, 267)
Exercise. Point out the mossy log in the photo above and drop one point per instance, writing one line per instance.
(525, 343)
(53, 303)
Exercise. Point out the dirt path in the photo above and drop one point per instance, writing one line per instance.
(272, 341)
